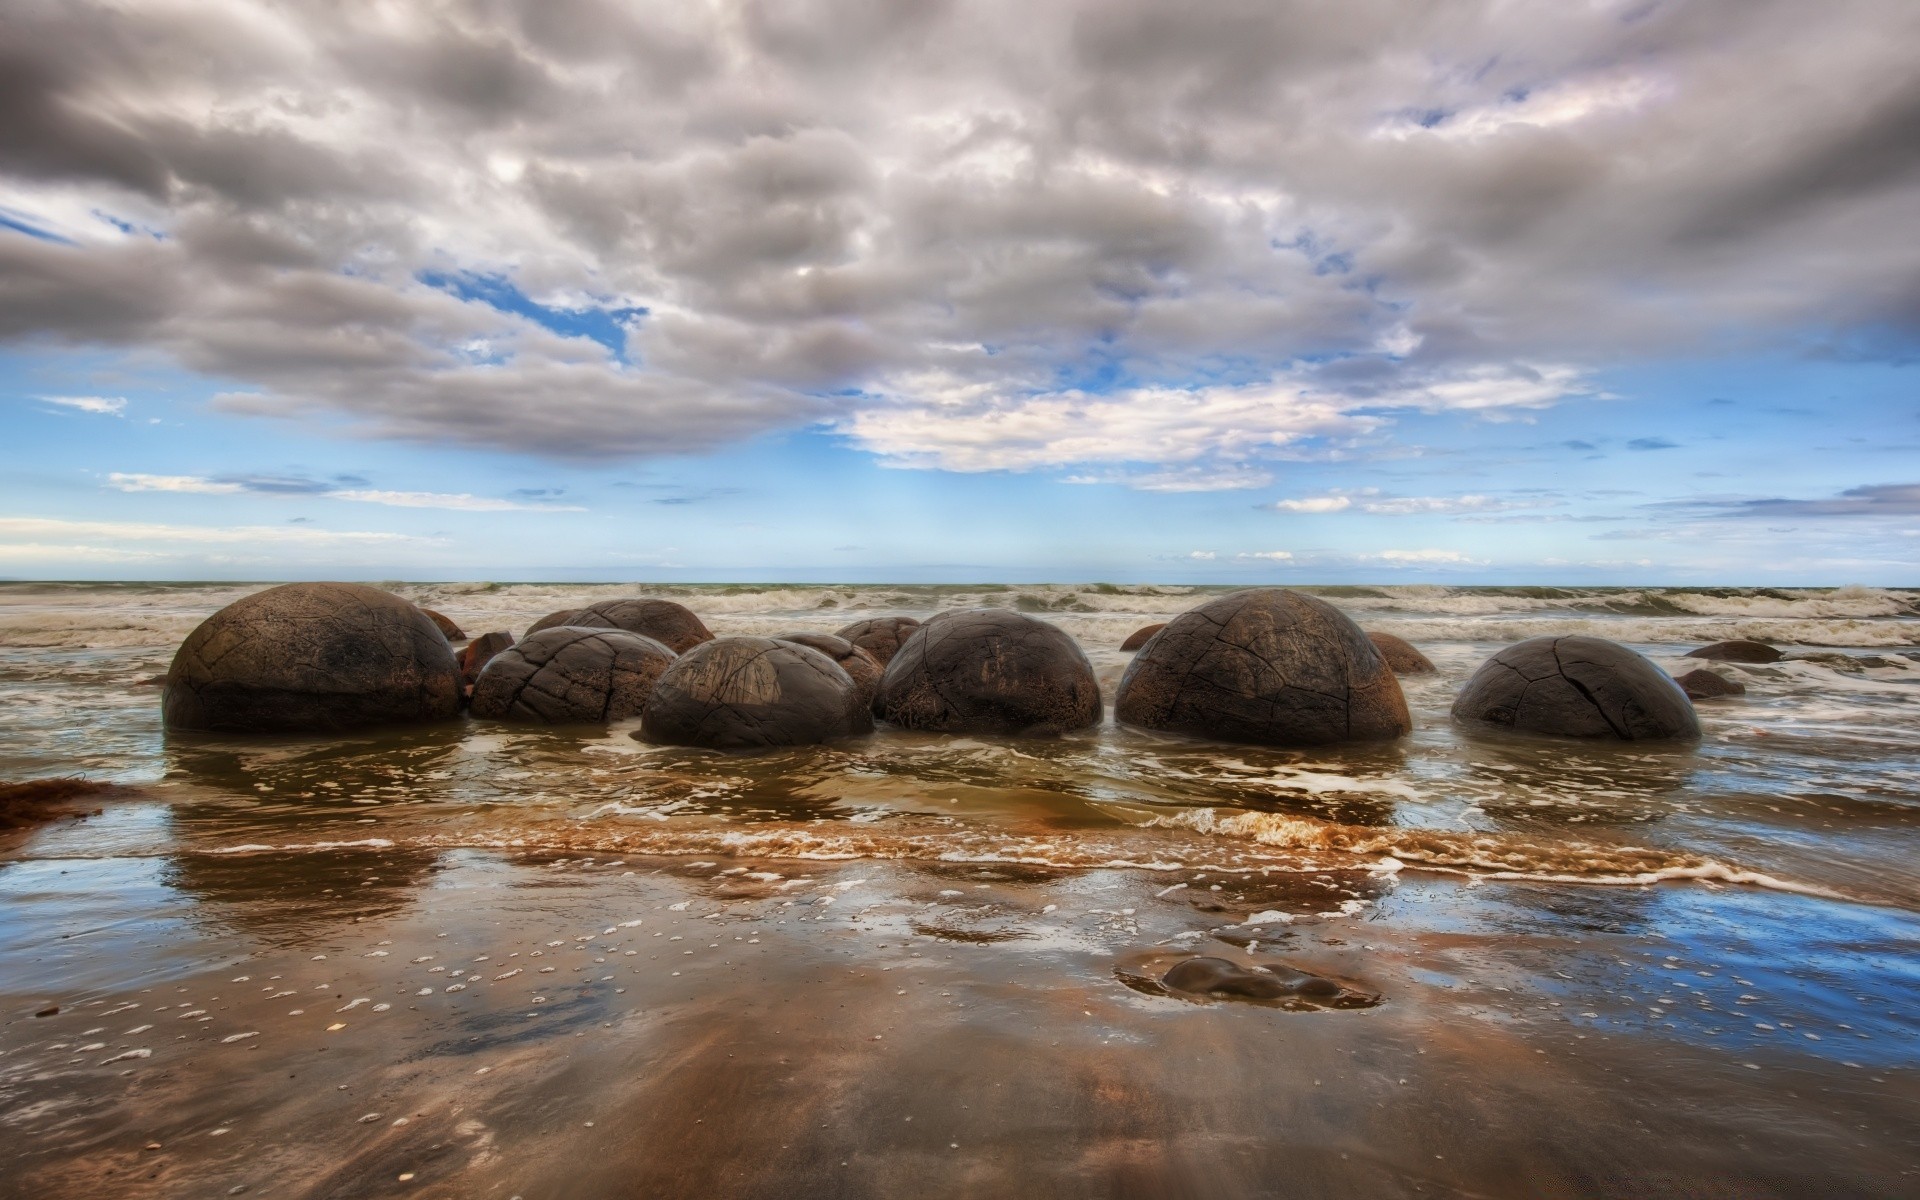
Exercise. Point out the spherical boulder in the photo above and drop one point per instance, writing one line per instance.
(1739, 650)
(571, 676)
(312, 658)
(673, 625)
(1267, 666)
(1402, 658)
(857, 663)
(476, 654)
(1584, 687)
(1140, 636)
(989, 670)
(554, 620)
(1708, 685)
(746, 693)
(879, 636)
(444, 624)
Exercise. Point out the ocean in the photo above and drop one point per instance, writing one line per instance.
(1598, 969)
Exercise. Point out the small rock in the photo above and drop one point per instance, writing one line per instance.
(1738, 650)
(1706, 685)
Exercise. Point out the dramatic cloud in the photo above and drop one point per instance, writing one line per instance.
(277, 486)
(1163, 246)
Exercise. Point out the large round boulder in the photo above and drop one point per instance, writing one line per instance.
(879, 636)
(1141, 636)
(312, 658)
(1268, 666)
(555, 620)
(673, 625)
(1584, 687)
(1738, 650)
(989, 670)
(1401, 655)
(857, 663)
(571, 676)
(745, 693)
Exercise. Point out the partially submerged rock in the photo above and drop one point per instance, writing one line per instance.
(1140, 636)
(312, 658)
(1401, 655)
(445, 624)
(1583, 687)
(571, 676)
(745, 693)
(990, 670)
(1269, 983)
(476, 654)
(879, 636)
(1708, 685)
(672, 625)
(1266, 666)
(1738, 650)
(857, 663)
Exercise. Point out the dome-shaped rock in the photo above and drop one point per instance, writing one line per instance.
(1402, 658)
(1140, 636)
(312, 658)
(673, 625)
(444, 624)
(879, 636)
(857, 663)
(1739, 651)
(1266, 666)
(475, 655)
(554, 620)
(569, 675)
(989, 670)
(1708, 685)
(1577, 687)
(743, 693)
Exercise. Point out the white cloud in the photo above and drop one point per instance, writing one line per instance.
(1210, 478)
(1270, 555)
(106, 406)
(1202, 555)
(1372, 502)
(459, 501)
(42, 552)
(131, 482)
(1315, 504)
(1416, 557)
(137, 531)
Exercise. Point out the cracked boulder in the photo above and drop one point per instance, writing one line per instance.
(857, 663)
(748, 693)
(1402, 658)
(879, 636)
(1267, 666)
(477, 653)
(554, 620)
(1140, 636)
(673, 625)
(989, 670)
(1584, 687)
(571, 676)
(312, 658)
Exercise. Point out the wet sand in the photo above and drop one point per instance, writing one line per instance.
(778, 1028)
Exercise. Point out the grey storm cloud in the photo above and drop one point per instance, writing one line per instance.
(976, 236)
(1873, 500)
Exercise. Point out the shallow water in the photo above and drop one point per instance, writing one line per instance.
(1601, 968)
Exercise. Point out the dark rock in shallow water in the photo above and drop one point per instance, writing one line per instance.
(1140, 636)
(1738, 651)
(745, 693)
(1222, 979)
(1706, 685)
(312, 658)
(857, 663)
(1402, 658)
(673, 625)
(879, 636)
(478, 652)
(1269, 667)
(990, 670)
(554, 620)
(571, 676)
(1577, 687)
(445, 625)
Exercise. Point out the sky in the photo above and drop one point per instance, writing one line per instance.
(1229, 291)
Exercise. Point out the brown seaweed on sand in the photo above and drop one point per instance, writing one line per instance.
(38, 800)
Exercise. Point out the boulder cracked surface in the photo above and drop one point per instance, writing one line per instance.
(748, 693)
(1268, 667)
(571, 676)
(1584, 687)
(554, 620)
(1141, 636)
(1401, 655)
(861, 666)
(989, 670)
(879, 636)
(672, 625)
(312, 658)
